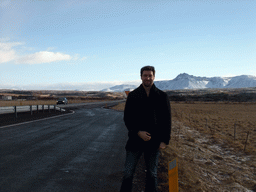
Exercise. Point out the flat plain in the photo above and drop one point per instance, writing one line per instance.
(215, 144)
(226, 120)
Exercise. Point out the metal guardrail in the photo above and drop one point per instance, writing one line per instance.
(29, 108)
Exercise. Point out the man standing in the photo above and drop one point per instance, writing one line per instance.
(147, 116)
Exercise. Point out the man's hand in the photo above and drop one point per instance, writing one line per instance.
(162, 145)
(144, 135)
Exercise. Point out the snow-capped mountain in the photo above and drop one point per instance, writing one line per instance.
(182, 81)
(186, 81)
(242, 81)
(120, 88)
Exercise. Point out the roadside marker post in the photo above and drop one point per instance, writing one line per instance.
(173, 176)
(31, 111)
(127, 93)
(15, 111)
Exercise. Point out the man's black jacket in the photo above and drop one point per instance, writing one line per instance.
(151, 114)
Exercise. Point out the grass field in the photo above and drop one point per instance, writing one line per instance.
(229, 121)
(210, 157)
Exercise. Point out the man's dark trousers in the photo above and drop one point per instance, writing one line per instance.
(151, 160)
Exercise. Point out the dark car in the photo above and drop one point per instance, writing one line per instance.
(62, 100)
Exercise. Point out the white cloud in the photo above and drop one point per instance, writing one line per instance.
(42, 57)
(6, 56)
(8, 46)
(8, 53)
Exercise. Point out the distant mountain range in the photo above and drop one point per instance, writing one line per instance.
(120, 88)
(182, 81)
(186, 81)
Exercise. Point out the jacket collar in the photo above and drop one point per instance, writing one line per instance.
(153, 89)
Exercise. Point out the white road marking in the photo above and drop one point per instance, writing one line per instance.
(37, 120)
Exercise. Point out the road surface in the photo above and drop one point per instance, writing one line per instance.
(83, 151)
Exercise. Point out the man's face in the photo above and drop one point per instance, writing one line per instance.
(147, 78)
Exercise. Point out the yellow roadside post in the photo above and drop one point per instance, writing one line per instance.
(127, 93)
(173, 176)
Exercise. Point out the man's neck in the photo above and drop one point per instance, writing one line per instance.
(147, 89)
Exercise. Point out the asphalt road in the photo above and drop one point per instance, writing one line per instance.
(83, 151)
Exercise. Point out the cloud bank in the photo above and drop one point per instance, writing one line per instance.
(42, 57)
(9, 53)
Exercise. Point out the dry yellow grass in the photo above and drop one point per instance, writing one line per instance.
(119, 107)
(204, 149)
(228, 121)
(23, 103)
(218, 119)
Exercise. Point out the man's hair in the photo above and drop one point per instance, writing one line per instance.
(147, 68)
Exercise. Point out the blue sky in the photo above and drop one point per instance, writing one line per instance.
(58, 42)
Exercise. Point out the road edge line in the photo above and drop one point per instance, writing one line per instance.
(37, 120)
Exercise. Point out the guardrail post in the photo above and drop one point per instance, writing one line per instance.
(54, 108)
(49, 108)
(15, 111)
(43, 108)
(37, 107)
(31, 110)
